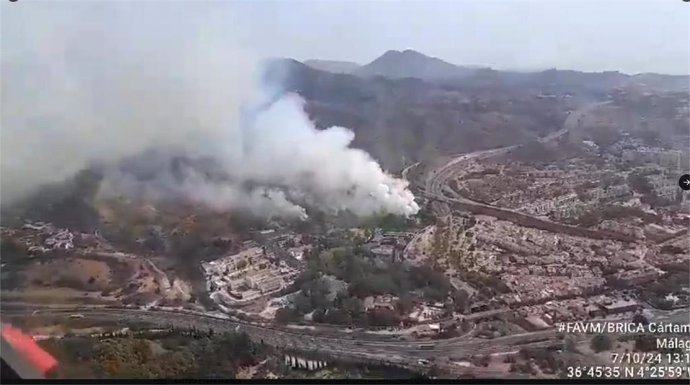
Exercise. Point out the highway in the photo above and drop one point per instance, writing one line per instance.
(273, 332)
(338, 345)
(437, 180)
(400, 353)
(269, 332)
(408, 168)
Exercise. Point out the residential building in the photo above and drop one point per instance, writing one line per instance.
(621, 306)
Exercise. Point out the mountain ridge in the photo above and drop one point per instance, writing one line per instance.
(413, 64)
(334, 66)
(398, 120)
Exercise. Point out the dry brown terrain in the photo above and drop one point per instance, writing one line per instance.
(77, 273)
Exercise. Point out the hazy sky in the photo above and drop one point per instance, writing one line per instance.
(85, 80)
(626, 35)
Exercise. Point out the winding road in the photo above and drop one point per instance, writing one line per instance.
(401, 353)
(437, 180)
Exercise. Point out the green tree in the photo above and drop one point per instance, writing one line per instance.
(426, 215)
(318, 315)
(461, 300)
(639, 318)
(337, 317)
(569, 345)
(383, 317)
(601, 342)
(285, 315)
(645, 343)
(605, 137)
(639, 183)
(405, 304)
(353, 306)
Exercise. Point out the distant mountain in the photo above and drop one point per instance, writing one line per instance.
(408, 119)
(412, 64)
(673, 83)
(406, 115)
(571, 82)
(338, 67)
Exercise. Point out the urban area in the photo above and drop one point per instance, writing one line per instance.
(496, 207)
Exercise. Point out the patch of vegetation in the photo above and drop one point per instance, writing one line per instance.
(611, 212)
(601, 342)
(67, 204)
(671, 249)
(672, 283)
(489, 286)
(389, 222)
(639, 183)
(544, 358)
(535, 153)
(178, 354)
(366, 276)
(656, 201)
(15, 259)
(426, 215)
(605, 136)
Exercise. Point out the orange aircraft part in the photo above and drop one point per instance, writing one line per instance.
(29, 349)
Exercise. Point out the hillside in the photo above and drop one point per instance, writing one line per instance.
(338, 67)
(412, 64)
(400, 121)
(414, 113)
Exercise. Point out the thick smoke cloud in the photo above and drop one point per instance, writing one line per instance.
(91, 84)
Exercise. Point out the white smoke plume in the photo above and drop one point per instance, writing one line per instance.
(84, 83)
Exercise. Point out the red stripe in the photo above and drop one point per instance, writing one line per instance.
(29, 349)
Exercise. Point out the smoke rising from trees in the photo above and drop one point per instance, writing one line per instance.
(89, 84)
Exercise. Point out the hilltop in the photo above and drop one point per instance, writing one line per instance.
(413, 64)
(335, 66)
(402, 120)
